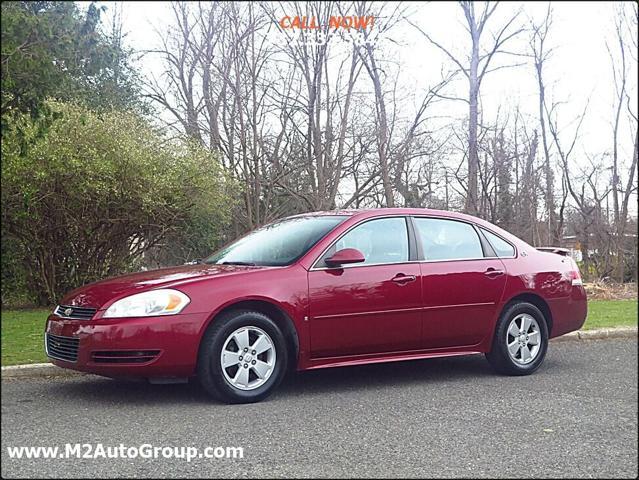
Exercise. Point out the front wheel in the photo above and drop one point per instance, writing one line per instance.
(242, 357)
(520, 341)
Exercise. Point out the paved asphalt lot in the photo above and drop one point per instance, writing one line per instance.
(576, 417)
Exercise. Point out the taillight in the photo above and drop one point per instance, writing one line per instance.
(575, 276)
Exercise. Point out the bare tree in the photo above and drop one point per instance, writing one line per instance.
(328, 124)
(367, 54)
(475, 69)
(541, 53)
(327, 109)
(585, 206)
(619, 71)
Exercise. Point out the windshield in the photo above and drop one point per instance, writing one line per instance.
(277, 244)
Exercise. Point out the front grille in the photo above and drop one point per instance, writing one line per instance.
(76, 313)
(124, 356)
(62, 348)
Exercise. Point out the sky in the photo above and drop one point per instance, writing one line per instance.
(578, 72)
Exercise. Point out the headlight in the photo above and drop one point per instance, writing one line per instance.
(155, 302)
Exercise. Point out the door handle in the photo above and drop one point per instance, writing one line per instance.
(493, 272)
(402, 279)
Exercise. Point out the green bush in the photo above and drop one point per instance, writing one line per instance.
(15, 292)
(97, 192)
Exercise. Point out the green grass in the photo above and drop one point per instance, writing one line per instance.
(611, 313)
(22, 330)
(23, 336)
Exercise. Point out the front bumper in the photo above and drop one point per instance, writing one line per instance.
(104, 345)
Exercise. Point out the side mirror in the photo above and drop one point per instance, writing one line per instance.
(345, 256)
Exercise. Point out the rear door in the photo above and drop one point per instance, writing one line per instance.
(461, 286)
(370, 307)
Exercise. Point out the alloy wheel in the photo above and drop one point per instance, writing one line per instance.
(523, 339)
(248, 358)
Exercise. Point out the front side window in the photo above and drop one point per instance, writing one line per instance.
(277, 244)
(448, 239)
(502, 247)
(384, 240)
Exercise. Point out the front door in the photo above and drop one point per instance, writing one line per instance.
(370, 307)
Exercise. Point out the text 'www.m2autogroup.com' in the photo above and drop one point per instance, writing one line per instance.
(144, 451)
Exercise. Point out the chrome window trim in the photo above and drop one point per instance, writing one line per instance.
(458, 260)
(354, 265)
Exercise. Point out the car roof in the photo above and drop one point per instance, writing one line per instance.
(369, 212)
(374, 212)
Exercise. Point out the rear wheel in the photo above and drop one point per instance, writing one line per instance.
(242, 357)
(520, 341)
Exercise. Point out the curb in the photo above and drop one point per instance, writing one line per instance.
(37, 370)
(598, 334)
(50, 370)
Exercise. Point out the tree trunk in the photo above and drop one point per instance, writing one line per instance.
(473, 159)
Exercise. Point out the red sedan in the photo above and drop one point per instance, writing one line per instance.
(324, 290)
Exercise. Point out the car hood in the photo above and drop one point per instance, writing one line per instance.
(97, 294)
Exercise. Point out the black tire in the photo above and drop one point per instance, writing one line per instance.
(209, 368)
(499, 357)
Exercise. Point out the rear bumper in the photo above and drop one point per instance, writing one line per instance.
(569, 314)
(164, 346)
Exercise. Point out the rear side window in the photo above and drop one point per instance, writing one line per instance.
(448, 239)
(383, 240)
(502, 247)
